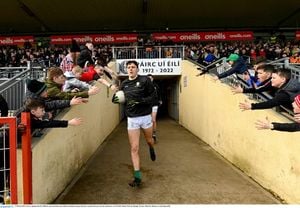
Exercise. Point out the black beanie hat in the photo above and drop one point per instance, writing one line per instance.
(74, 47)
(35, 86)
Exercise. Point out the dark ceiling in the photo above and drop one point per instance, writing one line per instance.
(71, 16)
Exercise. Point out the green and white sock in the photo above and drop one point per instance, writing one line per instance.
(137, 174)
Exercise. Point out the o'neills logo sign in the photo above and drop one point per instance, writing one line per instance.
(191, 37)
(16, 40)
(203, 36)
(297, 35)
(95, 38)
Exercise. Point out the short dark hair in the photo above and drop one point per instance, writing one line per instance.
(32, 104)
(282, 72)
(132, 62)
(149, 75)
(266, 68)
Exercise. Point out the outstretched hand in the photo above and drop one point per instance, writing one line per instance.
(263, 124)
(77, 100)
(245, 105)
(297, 117)
(75, 122)
(237, 89)
(215, 78)
(93, 90)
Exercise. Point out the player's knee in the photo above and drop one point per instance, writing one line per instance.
(135, 149)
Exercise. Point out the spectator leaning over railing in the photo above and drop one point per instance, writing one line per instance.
(238, 65)
(38, 90)
(56, 80)
(98, 73)
(264, 75)
(291, 127)
(72, 83)
(37, 112)
(287, 90)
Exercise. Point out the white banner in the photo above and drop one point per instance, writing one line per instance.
(168, 66)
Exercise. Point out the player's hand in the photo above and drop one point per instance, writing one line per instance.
(115, 99)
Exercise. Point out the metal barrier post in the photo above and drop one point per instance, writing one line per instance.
(13, 159)
(26, 159)
(12, 122)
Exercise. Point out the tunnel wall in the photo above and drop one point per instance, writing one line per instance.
(59, 155)
(210, 111)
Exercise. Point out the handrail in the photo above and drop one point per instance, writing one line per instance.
(215, 62)
(259, 96)
(278, 60)
(15, 77)
(142, 52)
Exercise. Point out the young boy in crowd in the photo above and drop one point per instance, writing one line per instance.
(38, 90)
(98, 73)
(37, 111)
(72, 83)
(56, 79)
(287, 90)
(238, 66)
(291, 127)
(264, 75)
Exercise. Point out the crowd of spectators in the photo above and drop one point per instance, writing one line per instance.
(256, 50)
(202, 52)
(13, 56)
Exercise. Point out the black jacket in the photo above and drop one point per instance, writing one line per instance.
(85, 56)
(291, 127)
(238, 67)
(40, 124)
(3, 107)
(50, 104)
(140, 90)
(284, 96)
(265, 86)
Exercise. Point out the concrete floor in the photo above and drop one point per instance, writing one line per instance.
(187, 171)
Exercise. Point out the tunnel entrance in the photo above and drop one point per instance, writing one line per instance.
(169, 92)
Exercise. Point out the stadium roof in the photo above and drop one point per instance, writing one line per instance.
(70, 16)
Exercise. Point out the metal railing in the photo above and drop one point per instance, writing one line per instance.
(13, 86)
(148, 52)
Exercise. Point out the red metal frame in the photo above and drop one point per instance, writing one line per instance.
(27, 159)
(12, 122)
